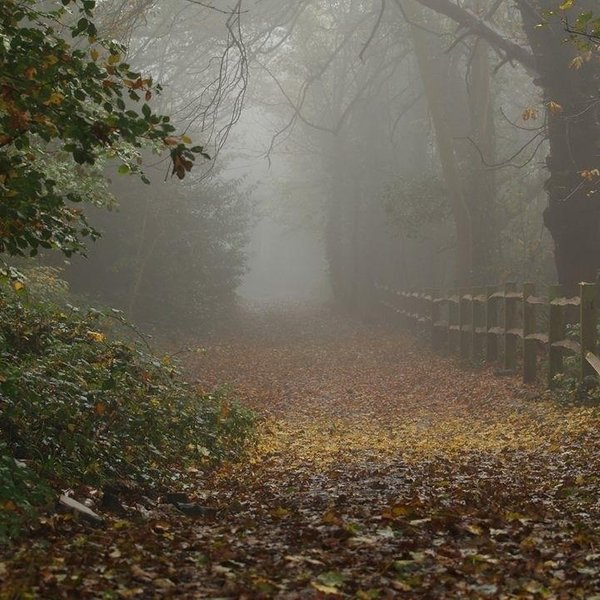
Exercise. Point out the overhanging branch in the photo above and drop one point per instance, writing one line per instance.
(479, 26)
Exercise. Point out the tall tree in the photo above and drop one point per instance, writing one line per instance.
(570, 92)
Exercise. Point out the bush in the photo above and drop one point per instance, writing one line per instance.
(569, 389)
(79, 408)
(21, 490)
(173, 257)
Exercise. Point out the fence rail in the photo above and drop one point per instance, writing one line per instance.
(491, 324)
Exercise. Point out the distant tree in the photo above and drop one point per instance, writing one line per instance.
(174, 254)
(74, 100)
(570, 92)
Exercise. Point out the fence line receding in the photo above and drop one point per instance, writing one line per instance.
(500, 322)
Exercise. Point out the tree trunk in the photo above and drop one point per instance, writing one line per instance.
(572, 215)
(481, 180)
(431, 66)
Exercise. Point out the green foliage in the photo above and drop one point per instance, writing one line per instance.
(76, 100)
(570, 390)
(21, 490)
(77, 407)
(174, 255)
(584, 26)
(588, 25)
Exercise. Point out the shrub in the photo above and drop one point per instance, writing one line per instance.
(78, 407)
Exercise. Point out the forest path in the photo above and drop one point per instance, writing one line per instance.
(381, 471)
(385, 471)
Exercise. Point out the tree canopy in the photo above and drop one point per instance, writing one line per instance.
(66, 94)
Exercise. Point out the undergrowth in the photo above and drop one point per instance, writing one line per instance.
(79, 407)
(569, 388)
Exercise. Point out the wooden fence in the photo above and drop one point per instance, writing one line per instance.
(494, 324)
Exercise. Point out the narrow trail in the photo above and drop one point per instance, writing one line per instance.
(381, 471)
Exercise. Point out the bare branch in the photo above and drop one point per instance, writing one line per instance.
(479, 26)
(375, 28)
(508, 162)
(219, 10)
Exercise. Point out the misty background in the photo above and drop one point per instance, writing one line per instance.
(353, 143)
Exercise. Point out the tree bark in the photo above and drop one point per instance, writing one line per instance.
(481, 188)
(432, 77)
(572, 215)
(573, 210)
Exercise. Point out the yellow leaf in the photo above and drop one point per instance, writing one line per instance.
(50, 60)
(113, 59)
(225, 410)
(555, 108)
(71, 427)
(186, 139)
(100, 409)
(97, 336)
(56, 99)
(18, 286)
(474, 529)
(401, 586)
(94, 54)
(566, 5)
(326, 589)
(281, 512)
(331, 518)
(590, 174)
(530, 113)
(576, 63)
(399, 510)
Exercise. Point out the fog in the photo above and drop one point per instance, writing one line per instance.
(299, 299)
(352, 144)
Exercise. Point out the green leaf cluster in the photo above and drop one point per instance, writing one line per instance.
(65, 91)
(78, 407)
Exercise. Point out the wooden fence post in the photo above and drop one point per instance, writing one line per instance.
(404, 306)
(491, 321)
(556, 332)
(510, 322)
(414, 310)
(475, 323)
(463, 323)
(587, 321)
(529, 345)
(425, 311)
(444, 332)
(452, 321)
(434, 313)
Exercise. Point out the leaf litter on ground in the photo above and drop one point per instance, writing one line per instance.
(381, 471)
